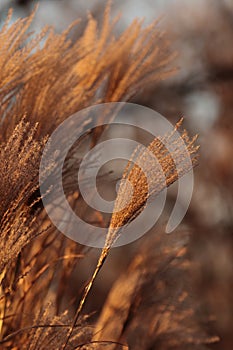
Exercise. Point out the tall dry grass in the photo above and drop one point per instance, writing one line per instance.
(43, 80)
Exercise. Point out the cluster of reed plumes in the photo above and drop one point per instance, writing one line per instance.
(43, 80)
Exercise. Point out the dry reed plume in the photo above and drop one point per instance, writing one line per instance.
(144, 187)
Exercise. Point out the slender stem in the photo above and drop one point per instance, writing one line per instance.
(100, 263)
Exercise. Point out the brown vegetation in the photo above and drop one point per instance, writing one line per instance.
(44, 80)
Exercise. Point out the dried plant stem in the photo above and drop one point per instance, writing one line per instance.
(141, 193)
(88, 287)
